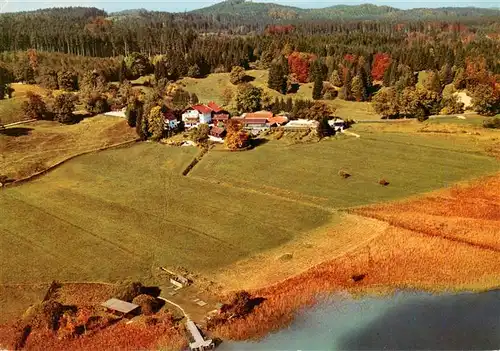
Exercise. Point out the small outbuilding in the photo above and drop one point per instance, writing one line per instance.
(120, 308)
(301, 124)
(338, 124)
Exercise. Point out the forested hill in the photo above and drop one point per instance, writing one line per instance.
(269, 11)
(93, 32)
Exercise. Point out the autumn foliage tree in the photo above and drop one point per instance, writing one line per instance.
(381, 62)
(237, 75)
(385, 103)
(156, 123)
(63, 107)
(249, 98)
(486, 99)
(236, 137)
(299, 63)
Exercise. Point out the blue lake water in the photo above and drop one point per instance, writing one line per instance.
(403, 321)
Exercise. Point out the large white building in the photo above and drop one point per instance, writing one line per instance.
(197, 114)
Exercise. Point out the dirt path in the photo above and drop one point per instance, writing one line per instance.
(352, 134)
(176, 305)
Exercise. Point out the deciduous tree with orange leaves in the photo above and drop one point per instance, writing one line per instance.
(236, 137)
(298, 63)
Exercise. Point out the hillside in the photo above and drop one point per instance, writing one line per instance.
(211, 87)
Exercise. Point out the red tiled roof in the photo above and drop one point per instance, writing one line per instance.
(217, 131)
(277, 120)
(255, 120)
(201, 108)
(214, 107)
(260, 114)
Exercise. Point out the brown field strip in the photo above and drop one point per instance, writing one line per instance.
(467, 214)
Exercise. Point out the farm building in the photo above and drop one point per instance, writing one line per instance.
(219, 116)
(256, 124)
(197, 114)
(199, 343)
(218, 132)
(171, 121)
(256, 121)
(277, 121)
(210, 113)
(120, 308)
(301, 124)
(338, 124)
(259, 114)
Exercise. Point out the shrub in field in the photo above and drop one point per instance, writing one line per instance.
(44, 315)
(63, 107)
(324, 129)
(451, 105)
(35, 107)
(96, 103)
(344, 174)
(128, 291)
(149, 305)
(493, 123)
(237, 75)
(383, 182)
(200, 135)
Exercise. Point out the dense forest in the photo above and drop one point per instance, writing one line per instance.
(347, 51)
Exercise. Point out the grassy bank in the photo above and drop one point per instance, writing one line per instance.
(29, 148)
(10, 109)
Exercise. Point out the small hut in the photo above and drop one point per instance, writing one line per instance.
(120, 308)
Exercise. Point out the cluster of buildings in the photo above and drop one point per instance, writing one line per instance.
(254, 122)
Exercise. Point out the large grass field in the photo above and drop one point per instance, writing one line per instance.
(122, 213)
(309, 172)
(211, 87)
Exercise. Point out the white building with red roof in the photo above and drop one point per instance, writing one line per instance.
(197, 114)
